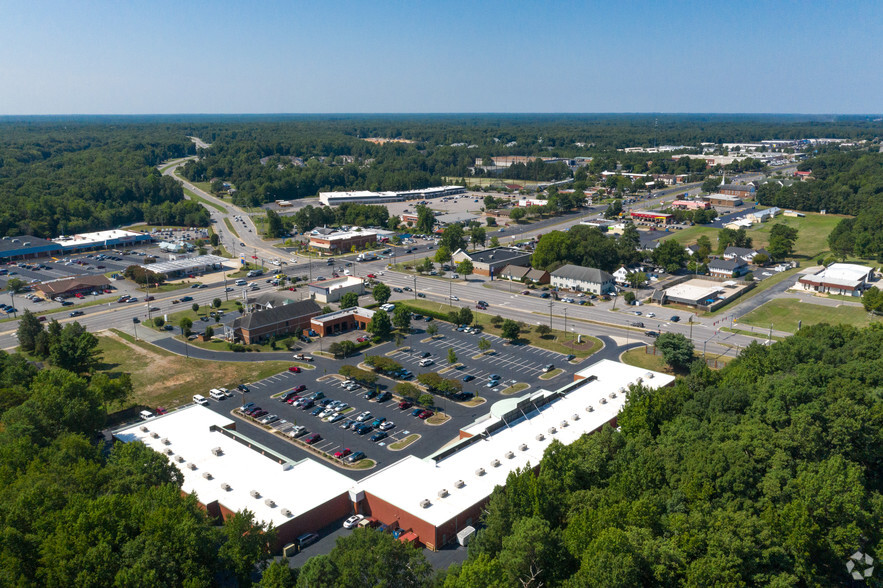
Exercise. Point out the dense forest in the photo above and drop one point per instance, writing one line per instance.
(74, 175)
(767, 473)
(64, 175)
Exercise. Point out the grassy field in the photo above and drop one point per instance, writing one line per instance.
(812, 234)
(784, 313)
(164, 379)
(230, 226)
(640, 358)
(764, 285)
(485, 182)
(556, 341)
(186, 310)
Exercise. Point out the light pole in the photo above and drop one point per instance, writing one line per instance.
(415, 287)
(565, 322)
(550, 314)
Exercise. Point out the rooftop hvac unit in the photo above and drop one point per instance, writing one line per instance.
(510, 455)
(285, 512)
(443, 492)
(495, 462)
(459, 484)
(603, 401)
(523, 447)
(479, 472)
(574, 417)
(225, 486)
(255, 494)
(155, 435)
(552, 430)
(613, 395)
(540, 437)
(168, 452)
(165, 441)
(192, 466)
(179, 459)
(649, 375)
(217, 451)
(269, 502)
(563, 424)
(143, 429)
(425, 503)
(639, 380)
(207, 475)
(590, 408)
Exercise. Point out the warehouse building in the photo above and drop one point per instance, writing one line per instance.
(342, 242)
(440, 498)
(847, 279)
(724, 200)
(101, 240)
(332, 290)
(368, 197)
(228, 473)
(189, 266)
(490, 262)
(26, 246)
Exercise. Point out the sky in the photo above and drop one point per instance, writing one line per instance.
(173, 57)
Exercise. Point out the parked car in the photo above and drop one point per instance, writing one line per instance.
(354, 457)
(404, 404)
(363, 417)
(315, 437)
(548, 368)
(386, 425)
(354, 520)
(425, 415)
(379, 435)
(468, 378)
(294, 369)
(417, 411)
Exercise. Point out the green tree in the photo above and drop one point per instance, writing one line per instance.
(425, 219)
(159, 321)
(452, 356)
(782, 240)
(214, 239)
(510, 330)
(381, 293)
(671, 255)
(676, 349)
(464, 316)
(195, 307)
(380, 325)
(209, 332)
(425, 400)
(495, 241)
(478, 237)
(278, 575)
(483, 344)
(349, 300)
(186, 324)
(28, 329)
(275, 228)
(614, 209)
(342, 348)
(636, 279)
(112, 390)
(431, 330)
(425, 266)
(872, 300)
(465, 268)
(517, 214)
(543, 330)
(75, 350)
(401, 318)
(711, 185)
(15, 285)
(217, 303)
(246, 544)
(704, 244)
(452, 238)
(443, 254)
(406, 390)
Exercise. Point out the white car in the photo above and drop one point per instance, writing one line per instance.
(455, 299)
(426, 362)
(651, 314)
(200, 399)
(335, 417)
(352, 521)
(363, 417)
(386, 425)
(325, 413)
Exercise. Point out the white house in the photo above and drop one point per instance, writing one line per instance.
(584, 279)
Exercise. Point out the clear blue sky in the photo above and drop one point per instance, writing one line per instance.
(63, 57)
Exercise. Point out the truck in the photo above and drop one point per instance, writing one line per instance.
(302, 357)
(366, 257)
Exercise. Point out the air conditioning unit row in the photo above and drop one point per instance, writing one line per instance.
(563, 424)
(155, 435)
(168, 452)
(191, 466)
(552, 430)
(574, 417)
(590, 409)
(165, 441)
(603, 401)
(179, 459)
(495, 462)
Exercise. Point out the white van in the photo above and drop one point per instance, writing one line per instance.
(426, 362)
(388, 307)
(199, 399)
(216, 394)
(241, 282)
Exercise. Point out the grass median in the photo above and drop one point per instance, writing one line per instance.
(784, 313)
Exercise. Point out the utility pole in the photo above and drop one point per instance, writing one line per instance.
(550, 314)
(226, 293)
(565, 322)
(415, 287)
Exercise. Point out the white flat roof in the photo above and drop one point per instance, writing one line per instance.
(97, 238)
(297, 486)
(411, 480)
(695, 290)
(186, 263)
(344, 235)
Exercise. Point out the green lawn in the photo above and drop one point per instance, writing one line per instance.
(204, 201)
(784, 313)
(230, 226)
(640, 358)
(186, 310)
(164, 379)
(812, 233)
(763, 285)
(556, 341)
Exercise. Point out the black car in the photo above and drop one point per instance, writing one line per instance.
(74, 313)
(652, 334)
(425, 354)
(384, 397)
(399, 290)
(242, 388)
(378, 436)
(354, 457)
(675, 318)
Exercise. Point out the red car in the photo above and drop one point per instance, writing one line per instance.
(313, 438)
(294, 369)
(300, 388)
(404, 404)
(342, 454)
(42, 319)
(371, 276)
(161, 410)
(425, 415)
(293, 399)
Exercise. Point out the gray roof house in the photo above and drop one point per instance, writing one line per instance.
(727, 268)
(282, 320)
(585, 279)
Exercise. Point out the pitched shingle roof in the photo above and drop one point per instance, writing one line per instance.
(262, 318)
(583, 274)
